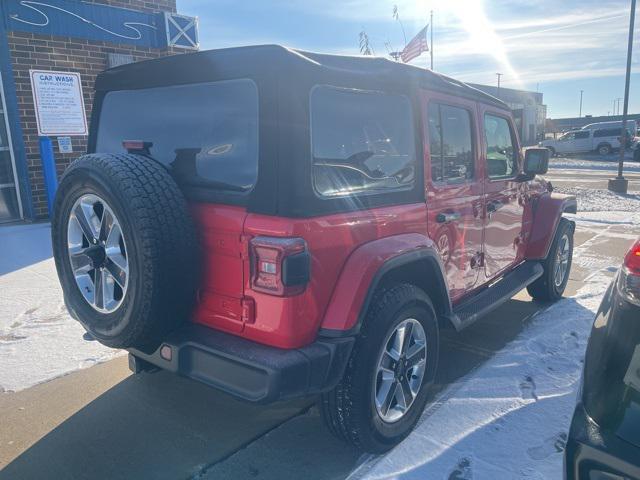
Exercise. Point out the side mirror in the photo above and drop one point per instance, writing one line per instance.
(536, 161)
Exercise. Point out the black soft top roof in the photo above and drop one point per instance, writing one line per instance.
(285, 80)
(260, 60)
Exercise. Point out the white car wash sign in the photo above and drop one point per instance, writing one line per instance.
(59, 104)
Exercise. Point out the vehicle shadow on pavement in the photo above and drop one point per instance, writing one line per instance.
(161, 426)
(23, 245)
(156, 426)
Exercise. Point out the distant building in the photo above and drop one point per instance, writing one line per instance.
(528, 109)
(559, 125)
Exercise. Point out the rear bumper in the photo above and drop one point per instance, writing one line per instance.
(594, 453)
(248, 370)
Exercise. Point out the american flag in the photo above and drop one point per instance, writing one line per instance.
(416, 46)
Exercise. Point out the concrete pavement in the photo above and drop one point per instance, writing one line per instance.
(104, 423)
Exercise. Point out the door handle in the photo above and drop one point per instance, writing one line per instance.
(447, 217)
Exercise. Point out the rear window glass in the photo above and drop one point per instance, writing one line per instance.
(206, 134)
(362, 141)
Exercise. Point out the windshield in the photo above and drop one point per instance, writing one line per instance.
(206, 134)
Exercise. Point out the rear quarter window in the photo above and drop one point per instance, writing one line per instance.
(206, 134)
(362, 142)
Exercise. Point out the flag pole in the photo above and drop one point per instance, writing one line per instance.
(431, 49)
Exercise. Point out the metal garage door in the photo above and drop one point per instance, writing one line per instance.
(10, 207)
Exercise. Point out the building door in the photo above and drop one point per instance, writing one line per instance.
(10, 207)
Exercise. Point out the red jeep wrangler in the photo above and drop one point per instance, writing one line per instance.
(277, 223)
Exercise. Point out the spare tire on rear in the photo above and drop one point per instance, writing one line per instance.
(125, 249)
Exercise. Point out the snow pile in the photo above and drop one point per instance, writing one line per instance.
(510, 417)
(598, 200)
(38, 339)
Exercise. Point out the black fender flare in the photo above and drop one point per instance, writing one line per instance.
(395, 268)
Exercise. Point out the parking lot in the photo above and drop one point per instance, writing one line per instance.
(103, 422)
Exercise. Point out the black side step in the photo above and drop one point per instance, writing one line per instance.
(495, 295)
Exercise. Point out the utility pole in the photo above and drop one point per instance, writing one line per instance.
(580, 114)
(431, 49)
(618, 110)
(620, 184)
(498, 75)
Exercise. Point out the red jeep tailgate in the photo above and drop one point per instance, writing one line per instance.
(223, 266)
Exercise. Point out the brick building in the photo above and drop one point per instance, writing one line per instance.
(84, 37)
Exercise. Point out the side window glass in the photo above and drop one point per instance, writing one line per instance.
(361, 142)
(450, 144)
(584, 134)
(501, 155)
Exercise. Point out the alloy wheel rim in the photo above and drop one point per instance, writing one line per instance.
(400, 369)
(562, 261)
(97, 253)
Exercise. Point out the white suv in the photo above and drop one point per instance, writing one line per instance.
(599, 137)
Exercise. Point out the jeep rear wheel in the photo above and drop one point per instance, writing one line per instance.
(387, 381)
(125, 249)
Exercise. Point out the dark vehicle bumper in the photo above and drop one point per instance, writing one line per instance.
(589, 453)
(248, 370)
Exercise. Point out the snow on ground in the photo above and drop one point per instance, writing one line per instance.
(38, 339)
(596, 200)
(590, 162)
(510, 417)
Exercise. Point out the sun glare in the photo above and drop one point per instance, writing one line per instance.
(481, 36)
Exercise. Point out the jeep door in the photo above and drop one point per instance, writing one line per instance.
(454, 194)
(504, 209)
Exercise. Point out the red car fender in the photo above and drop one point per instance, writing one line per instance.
(548, 211)
(362, 271)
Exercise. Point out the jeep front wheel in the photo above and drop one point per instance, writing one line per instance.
(550, 286)
(386, 384)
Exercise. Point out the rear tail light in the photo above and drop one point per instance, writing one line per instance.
(279, 266)
(629, 276)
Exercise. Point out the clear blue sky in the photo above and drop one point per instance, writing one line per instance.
(559, 47)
